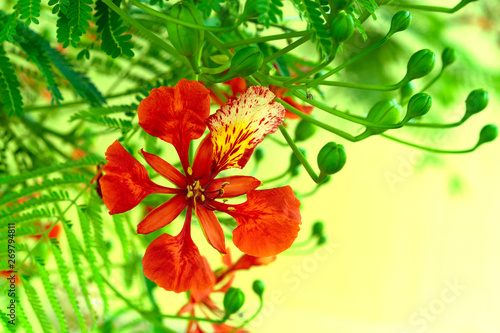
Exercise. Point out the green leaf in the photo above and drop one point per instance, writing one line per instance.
(73, 24)
(5, 322)
(29, 10)
(10, 96)
(51, 295)
(40, 172)
(7, 28)
(122, 235)
(23, 320)
(43, 200)
(206, 6)
(109, 24)
(37, 306)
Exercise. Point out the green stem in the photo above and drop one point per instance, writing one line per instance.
(432, 150)
(230, 45)
(151, 36)
(438, 9)
(299, 155)
(431, 82)
(214, 321)
(153, 12)
(361, 86)
(259, 309)
(287, 49)
(431, 125)
(349, 62)
(278, 177)
(218, 44)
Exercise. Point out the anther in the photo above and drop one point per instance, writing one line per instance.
(190, 171)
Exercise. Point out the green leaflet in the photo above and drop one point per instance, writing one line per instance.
(43, 200)
(37, 306)
(311, 12)
(49, 290)
(29, 10)
(122, 235)
(40, 172)
(63, 272)
(109, 24)
(73, 24)
(10, 96)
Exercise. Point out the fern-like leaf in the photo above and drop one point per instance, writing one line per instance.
(8, 327)
(29, 10)
(268, 11)
(73, 24)
(94, 213)
(23, 320)
(102, 111)
(41, 172)
(37, 306)
(33, 216)
(122, 235)
(51, 295)
(63, 273)
(310, 11)
(8, 28)
(92, 259)
(10, 96)
(109, 24)
(115, 123)
(367, 5)
(206, 6)
(43, 200)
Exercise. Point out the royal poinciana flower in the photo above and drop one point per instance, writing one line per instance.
(267, 222)
(202, 300)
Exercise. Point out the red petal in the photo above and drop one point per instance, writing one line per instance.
(176, 115)
(126, 182)
(175, 263)
(234, 185)
(163, 215)
(165, 169)
(240, 124)
(211, 228)
(246, 262)
(307, 109)
(202, 165)
(268, 222)
(238, 85)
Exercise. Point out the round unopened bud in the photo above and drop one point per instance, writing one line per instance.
(448, 56)
(258, 287)
(476, 102)
(488, 133)
(318, 229)
(331, 158)
(258, 154)
(187, 41)
(385, 112)
(233, 300)
(342, 27)
(245, 62)
(322, 240)
(400, 22)
(295, 164)
(304, 130)
(407, 91)
(420, 64)
(418, 105)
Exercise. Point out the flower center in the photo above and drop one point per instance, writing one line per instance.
(200, 195)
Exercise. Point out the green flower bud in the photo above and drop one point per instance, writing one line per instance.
(400, 22)
(233, 300)
(295, 164)
(304, 130)
(318, 229)
(187, 41)
(476, 102)
(331, 158)
(258, 154)
(407, 91)
(342, 27)
(322, 240)
(418, 106)
(258, 287)
(449, 56)
(245, 62)
(420, 64)
(338, 5)
(386, 112)
(488, 133)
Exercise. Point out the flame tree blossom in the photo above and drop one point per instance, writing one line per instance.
(267, 222)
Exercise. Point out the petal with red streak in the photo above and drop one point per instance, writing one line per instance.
(175, 264)
(126, 182)
(211, 228)
(162, 215)
(234, 186)
(240, 124)
(176, 115)
(268, 222)
(165, 169)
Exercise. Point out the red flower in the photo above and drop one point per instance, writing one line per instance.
(237, 85)
(267, 223)
(202, 300)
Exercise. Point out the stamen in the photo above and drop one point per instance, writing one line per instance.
(231, 208)
(202, 197)
(190, 171)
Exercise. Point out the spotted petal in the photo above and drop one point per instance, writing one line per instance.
(176, 115)
(268, 222)
(126, 182)
(240, 124)
(175, 263)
